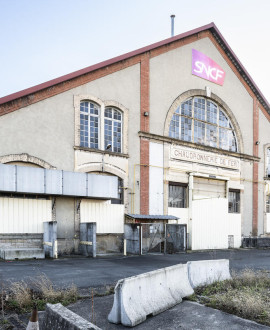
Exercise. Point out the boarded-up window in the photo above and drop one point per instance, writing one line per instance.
(177, 195)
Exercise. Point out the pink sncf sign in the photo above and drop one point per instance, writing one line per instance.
(204, 67)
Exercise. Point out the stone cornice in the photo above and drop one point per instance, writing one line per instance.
(169, 140)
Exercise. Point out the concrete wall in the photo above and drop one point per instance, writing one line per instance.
(156, 173)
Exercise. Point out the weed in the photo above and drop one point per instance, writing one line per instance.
(39, 291)
(246, 294)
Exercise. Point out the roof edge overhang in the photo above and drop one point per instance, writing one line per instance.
(211, 27)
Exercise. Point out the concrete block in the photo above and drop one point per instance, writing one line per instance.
(59, 317)
(150, 293)
(21, 253)
(208, 271)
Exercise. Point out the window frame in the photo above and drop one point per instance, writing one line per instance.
(185, 189)
(103, 105)
(194, 116)
(236, 204)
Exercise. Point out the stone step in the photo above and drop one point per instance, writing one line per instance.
(21, 253)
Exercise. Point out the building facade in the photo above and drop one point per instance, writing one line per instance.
(179, 124)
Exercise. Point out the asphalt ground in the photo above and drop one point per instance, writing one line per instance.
(107, 270)
(89, 273)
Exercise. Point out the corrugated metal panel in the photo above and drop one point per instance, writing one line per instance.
(210, 224)
(53, 182)
(102, 186)
(234, 228)
(30, 180)
(208, 188)
(19, 215)
(7, 177)
(74, 184)
(109, 217)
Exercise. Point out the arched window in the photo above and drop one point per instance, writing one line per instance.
(113, 129)
(89, 124)
(202, 121)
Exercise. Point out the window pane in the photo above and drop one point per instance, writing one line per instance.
(211, 135)
(113, 130)
(174, 127)
(186, 108)
(199, 132)
(223, 120)
(234, 201)
(177, 196)
(199, 108)
(211, 112)
(186, 124)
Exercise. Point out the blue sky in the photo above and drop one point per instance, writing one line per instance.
(44, 39)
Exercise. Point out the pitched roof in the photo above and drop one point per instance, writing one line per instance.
(212, 27)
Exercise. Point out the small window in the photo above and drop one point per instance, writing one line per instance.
(268, 204)
(177, 195)
(234, 201)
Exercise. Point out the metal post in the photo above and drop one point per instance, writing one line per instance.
(172, 25)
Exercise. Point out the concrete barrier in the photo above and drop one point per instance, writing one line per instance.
(208, 271)
(150, 293)
(59, 317)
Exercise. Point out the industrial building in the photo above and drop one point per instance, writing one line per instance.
(176, 128)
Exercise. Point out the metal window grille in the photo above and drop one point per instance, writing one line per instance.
(234, 201)
(177, 195)
(202, 121)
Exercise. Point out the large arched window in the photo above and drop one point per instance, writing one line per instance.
(89, 124)
(112, 129)
(202, 121)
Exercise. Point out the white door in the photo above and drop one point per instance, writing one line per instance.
(209, 214)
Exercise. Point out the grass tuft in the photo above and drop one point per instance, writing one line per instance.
(246, 295)
(21, 296)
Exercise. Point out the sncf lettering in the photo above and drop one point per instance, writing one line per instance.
(211, 72)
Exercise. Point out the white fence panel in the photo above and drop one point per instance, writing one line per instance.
(209, 224)
(109, 217)
(268, 222)
(21, 216)
(234, 228)
(181, 213)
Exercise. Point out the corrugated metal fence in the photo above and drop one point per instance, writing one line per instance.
(109, 217)
(19, 215)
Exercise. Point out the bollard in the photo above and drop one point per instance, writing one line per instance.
(33, 321)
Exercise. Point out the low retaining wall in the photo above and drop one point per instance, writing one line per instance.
(59, 317)
(208, 271)
(150, 293)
